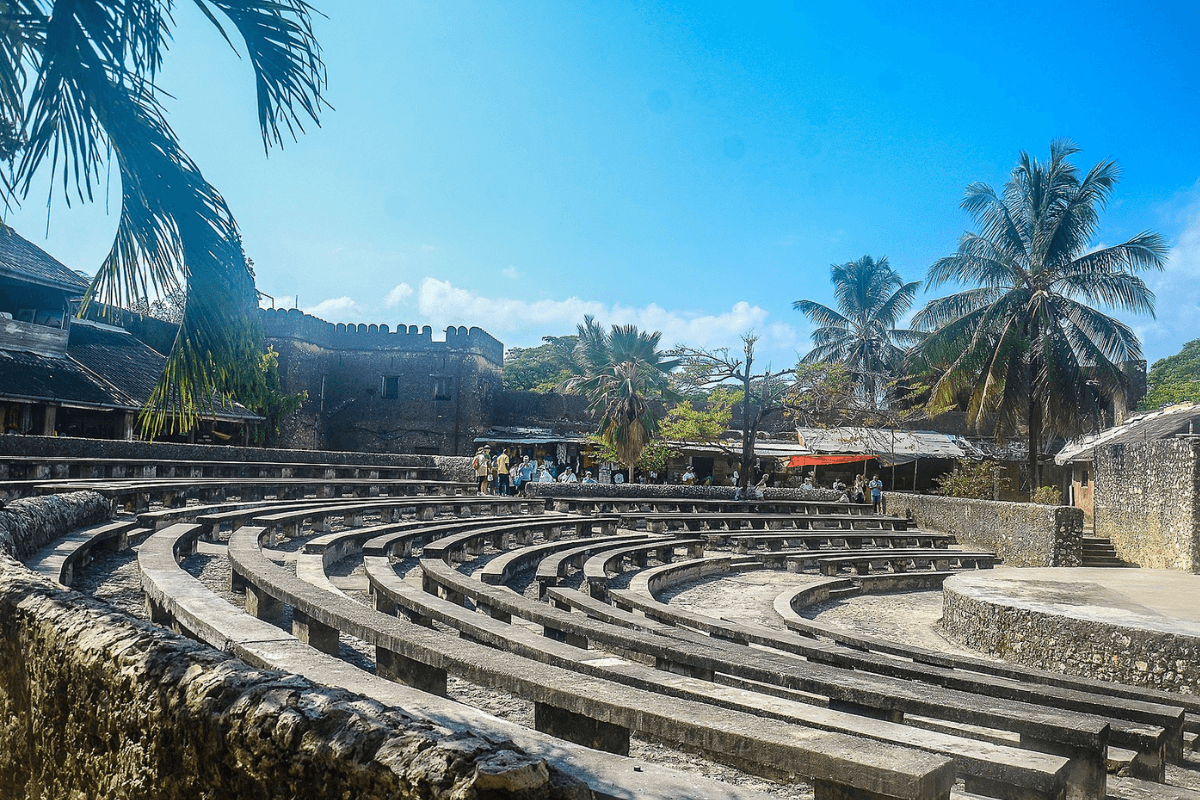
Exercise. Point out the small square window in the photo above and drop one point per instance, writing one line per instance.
(443, 388)
(391, 387)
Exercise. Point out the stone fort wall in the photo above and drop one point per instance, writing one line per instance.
(1147, 501)
(1023, 534)
(96, 704)
(377, 390)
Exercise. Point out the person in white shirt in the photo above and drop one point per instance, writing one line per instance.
(568, 476)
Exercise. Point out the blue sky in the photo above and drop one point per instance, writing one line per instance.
(691, 168)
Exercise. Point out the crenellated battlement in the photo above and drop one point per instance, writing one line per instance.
(292, 323)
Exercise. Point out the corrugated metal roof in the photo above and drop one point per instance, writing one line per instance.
(881, 441)
(1161, 424)
(23, 260)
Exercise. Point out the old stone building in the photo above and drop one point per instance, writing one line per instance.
(374, 389)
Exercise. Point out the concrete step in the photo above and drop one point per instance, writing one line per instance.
(849, 591)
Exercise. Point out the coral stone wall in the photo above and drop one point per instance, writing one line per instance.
(1088, 648)
(96, 704)
(1023, 534)
(378, 390)
(1147, 502)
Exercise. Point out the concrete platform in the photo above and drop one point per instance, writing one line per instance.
(1137, 626)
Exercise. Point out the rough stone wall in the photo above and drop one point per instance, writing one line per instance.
(379, 391)
(96, 704)
(1023, 534)
(29, 524)
(1076, 647)
(1147, 501)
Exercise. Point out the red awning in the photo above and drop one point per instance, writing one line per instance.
(809, 461)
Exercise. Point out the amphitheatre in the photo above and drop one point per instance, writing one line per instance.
(196, 621)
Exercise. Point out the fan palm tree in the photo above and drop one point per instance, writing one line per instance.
(620, 372)
(862, 335)
(77, 84)
(1025, 343)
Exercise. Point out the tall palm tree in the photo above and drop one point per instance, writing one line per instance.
(1026, 342)
(77, 85)
(621, 371)
(862, 335)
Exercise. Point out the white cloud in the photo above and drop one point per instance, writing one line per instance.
(337, 309)
(522, 322)
(398, 295)
(510, 273)
(1177, 289)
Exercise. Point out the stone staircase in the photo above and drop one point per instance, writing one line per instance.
(1099, 552)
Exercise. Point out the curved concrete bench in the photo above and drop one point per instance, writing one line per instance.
(1146, 707)
(554, 566)
(289, 521)
(1082, 736)
(185, 603)
(501, 569)
(1038, 774)
(621, 505)
(597, 567)
(814, 540)
(577, 707)
(736, 521)
(58, 560)
(454, 547)
(897, 560)
(42, 467)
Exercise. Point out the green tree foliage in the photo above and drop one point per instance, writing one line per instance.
(77, 80)
(1047, 496)
(862, 334)
(759, 393)
(543, 368)
(1025, 343)
(265, 397)
(1174, 379)
(653, 458)
(620, 371)
(974, 480)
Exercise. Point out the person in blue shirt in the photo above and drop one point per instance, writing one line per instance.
(587, 477)
(876, 487)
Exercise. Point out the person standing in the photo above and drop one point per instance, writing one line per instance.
(856, 493)
(480, 464)
(502, 473)
(876, 487)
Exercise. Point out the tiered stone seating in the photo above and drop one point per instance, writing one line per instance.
(704, 677)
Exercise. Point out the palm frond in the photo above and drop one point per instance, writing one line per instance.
(283, 49)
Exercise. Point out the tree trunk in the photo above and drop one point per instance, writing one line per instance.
(1035, 438)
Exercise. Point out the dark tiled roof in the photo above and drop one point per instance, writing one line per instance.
(116, 358)
(21, 259)
(30, 376)
(104, 366)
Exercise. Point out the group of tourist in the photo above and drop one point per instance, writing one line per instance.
(858, 492)
(498, 474)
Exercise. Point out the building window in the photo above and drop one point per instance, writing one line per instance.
(443, 388)
(391, 387)
(1083, 481)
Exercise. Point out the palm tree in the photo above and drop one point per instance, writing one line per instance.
(1026, 342)
(77, 85)
(620, 372)
(862, 335)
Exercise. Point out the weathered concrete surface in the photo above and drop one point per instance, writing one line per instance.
(95, 704)
(1147, 501)
(1139, 627)
(1023, 534)
(29, 524)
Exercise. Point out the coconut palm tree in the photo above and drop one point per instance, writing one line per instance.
(1025, 342)
(621, 371)
(862, 335)
(77, 85)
